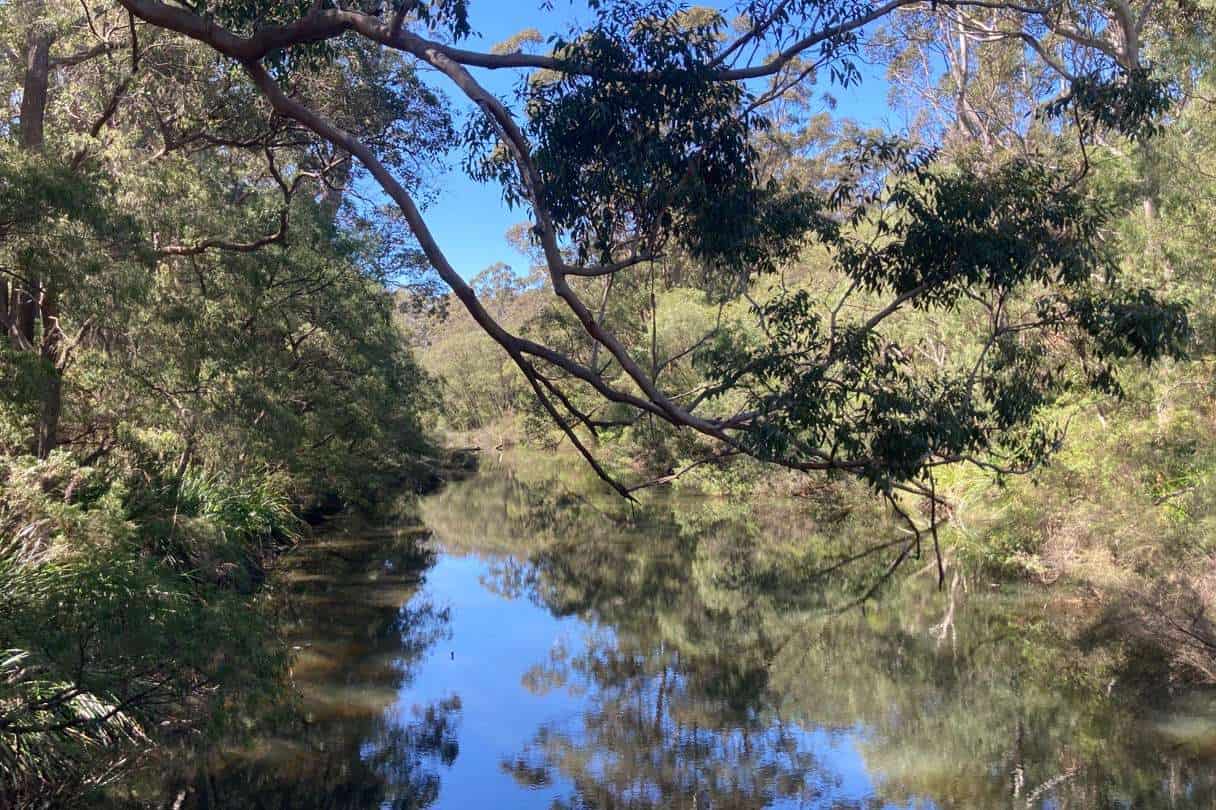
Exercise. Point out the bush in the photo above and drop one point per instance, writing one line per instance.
(113, 634)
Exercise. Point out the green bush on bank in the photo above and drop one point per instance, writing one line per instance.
(113, 634)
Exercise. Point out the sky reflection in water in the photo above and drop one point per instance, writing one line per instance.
(496, 648)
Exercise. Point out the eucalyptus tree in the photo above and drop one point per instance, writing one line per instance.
(175, 256)
(198, 339)
(634, 140)
(43, 46)
(990, 76)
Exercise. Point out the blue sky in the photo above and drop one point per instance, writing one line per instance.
(469, 219)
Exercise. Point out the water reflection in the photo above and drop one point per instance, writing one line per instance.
(718, 675)
(565, 650)
(360, 627)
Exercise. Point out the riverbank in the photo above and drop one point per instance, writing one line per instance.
(138, 612)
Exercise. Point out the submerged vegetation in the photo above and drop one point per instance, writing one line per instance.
(988, 341)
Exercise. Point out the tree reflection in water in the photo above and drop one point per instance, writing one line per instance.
(360, 629)
(715, 666)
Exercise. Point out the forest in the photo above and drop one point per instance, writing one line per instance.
(984, 340)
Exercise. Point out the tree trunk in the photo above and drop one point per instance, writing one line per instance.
(42, 298)
(52, 396)
(25, 307)
(34, 89)
(331, 201)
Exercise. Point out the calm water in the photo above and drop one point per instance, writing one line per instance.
(531, 647)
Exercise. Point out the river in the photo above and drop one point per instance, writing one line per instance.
(524, 644)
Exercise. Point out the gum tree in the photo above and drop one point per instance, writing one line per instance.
(634, 141)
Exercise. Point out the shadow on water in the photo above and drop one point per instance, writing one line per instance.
(686, 653)
(354, 615)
